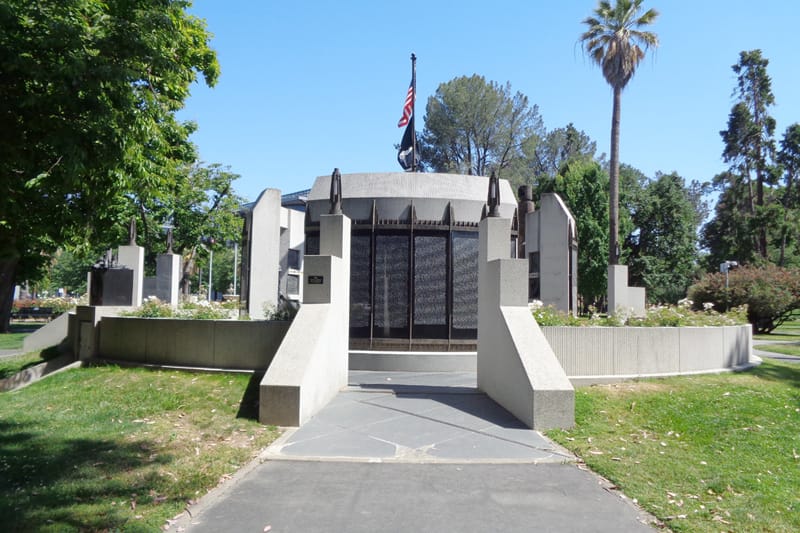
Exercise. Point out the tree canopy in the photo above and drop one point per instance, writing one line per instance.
(88, 98)
(474, 127)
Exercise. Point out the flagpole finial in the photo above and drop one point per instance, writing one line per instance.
(336, 192)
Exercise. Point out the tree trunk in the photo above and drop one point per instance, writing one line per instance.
(613, 183)
(8, 270)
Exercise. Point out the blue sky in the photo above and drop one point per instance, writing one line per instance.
(308, 86)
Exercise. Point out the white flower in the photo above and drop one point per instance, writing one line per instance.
(535, 304)
(708, 306)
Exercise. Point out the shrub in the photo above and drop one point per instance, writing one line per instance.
(285, 310)
(770, 293)
(56, 303)
(656, 316)
(151, 307)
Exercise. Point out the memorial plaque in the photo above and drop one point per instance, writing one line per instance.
(465, 284)
(360, 281)
(430, 286)
(391, 285)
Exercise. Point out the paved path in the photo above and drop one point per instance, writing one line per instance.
(773, 355)
(414, 452)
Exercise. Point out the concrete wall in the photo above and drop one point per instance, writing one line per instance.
(53, 333)
(516, 366)
(550, 233)
(229, 344)
(311, 365)
(264, 253)
(394, 192)
(621, 297)
(602, 354)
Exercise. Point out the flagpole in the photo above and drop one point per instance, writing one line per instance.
(413, 113)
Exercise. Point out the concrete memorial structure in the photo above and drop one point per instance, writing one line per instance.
(414, 256)
(551, 246)
(621, 297)
(516, 365)
(311, 364)
(272, 254)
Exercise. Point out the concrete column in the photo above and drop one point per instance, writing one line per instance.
(516, 365)
(334, 236)
(264, 253)
(311, 365)
(133, 258)
(617, 288)
(168, 277)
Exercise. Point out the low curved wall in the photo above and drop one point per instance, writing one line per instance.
(228, 344)
(598, 354)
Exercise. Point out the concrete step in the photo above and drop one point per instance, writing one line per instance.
(399, 361)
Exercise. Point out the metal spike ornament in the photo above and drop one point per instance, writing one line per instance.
(493, 197)
(336, 192)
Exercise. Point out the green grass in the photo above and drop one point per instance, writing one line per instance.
(11, 365)
(785, 349)
(115, 449)
(18, 332)
(702, 453)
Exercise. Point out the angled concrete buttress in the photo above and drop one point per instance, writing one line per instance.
(310, 366)
(516, 365)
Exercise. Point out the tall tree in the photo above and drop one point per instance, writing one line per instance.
(663, 244)
(616, 42)
(558, 147)
(583, 185)
(474, 127)
(749, 142)
(789, 159)
(88, 98)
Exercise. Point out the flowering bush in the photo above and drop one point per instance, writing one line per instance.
(770, 293)
(57, 304)
(152, 307)
(656, 316)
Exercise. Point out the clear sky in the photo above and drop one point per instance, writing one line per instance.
(307, 86)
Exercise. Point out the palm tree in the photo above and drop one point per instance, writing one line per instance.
(616, 43)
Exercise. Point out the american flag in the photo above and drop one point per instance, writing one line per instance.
(407, 106)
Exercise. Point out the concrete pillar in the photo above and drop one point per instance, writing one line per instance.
(168, 277)
(311, 364)
(132, 256)
(516, 365)
(263, 255)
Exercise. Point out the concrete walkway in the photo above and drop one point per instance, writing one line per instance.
(773, 355)
(400, 451)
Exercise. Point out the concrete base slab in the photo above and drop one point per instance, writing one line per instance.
(419, 418)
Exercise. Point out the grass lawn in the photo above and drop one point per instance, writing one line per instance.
(113, 449)
(702, 453)
(11, 365)
(18, 331)
(785, 349)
